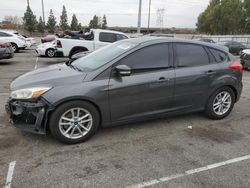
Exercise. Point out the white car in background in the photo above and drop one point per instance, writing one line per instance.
(29, 40)
(95, 39)
(47, 49)
(17, 42)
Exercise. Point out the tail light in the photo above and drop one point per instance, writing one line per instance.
(3, 45)
(236, 66)
(58, 44)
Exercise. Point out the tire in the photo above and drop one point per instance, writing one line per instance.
(14, 47)
(212, 110)
(50, 52)
(240, 52)
(58, 125)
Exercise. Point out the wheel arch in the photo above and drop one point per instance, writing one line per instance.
(69, 99)
(77, 48)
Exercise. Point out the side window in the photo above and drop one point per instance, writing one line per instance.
(120, 37)
(107, 37)
(218, 55)
(151, 57)
(2, 34)
(190, 55)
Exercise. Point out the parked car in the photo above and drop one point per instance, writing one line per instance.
(31, 41)
(6, 50)
(130, 80)
(207, 40)
(245, 58)
(47, 49)
(16, 41)
(48, 38)
(234, 47)
(96, 39)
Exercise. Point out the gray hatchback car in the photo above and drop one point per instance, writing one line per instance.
(130, 80)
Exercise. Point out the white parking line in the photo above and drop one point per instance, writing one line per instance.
(10, 174)
(36, 63)
(189, 172)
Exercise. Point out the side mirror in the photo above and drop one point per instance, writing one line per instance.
(123, 70)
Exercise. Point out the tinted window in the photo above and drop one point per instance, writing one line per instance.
(120, 37)
(107, 37)
(2, 34)
(189, 55)
(155, 56)
(218, 55)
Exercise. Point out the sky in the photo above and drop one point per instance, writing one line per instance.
(178, 13)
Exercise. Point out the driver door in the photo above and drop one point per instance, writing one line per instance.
(149, 88)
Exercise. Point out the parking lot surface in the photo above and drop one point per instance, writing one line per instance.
(127, 155)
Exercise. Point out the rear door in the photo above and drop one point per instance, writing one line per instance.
(148, 90)
(195, 73)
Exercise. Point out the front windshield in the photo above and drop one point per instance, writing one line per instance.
(103, 56)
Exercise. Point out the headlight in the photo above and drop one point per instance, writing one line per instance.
(29, 93)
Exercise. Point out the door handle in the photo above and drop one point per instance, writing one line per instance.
(163, 79)
(210, 72)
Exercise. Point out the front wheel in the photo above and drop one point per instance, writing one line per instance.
(220, 104)
(74, 122)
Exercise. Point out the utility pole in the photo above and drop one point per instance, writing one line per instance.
(43, 12)
(149, 12)
(139, 17)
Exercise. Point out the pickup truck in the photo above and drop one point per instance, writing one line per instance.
(96, 39)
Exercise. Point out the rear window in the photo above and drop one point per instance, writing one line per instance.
(107, 37)
(218, 55)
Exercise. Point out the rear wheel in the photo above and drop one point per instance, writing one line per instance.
(220, 104)
(50, 52)
(14, 47)
(74, 122)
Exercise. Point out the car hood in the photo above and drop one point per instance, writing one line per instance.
(51, 76)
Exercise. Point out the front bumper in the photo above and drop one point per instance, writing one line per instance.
(30, 116)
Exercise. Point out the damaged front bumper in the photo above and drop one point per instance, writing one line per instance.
(29, 115)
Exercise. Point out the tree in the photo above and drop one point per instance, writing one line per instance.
(64, 19)
(51, 24)
(79, 27)
(104, 22)
(74, 23)
(222, 17)
(94, 23)
(12, 22)
(29, 20)
(41, 25)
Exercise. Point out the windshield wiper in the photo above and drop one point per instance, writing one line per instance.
(69, 63)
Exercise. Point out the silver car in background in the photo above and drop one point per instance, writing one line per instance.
(6, 50)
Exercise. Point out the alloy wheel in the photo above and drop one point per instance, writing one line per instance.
(222, 103)
(75, 123)
(51, 53)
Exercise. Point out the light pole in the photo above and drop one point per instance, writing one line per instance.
(149, 12)
(43, 12)
(139, 18)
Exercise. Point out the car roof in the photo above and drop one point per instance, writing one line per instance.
(155, 40)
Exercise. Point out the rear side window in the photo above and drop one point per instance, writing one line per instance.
(107, 37)
(190, 55)
(218, 55)
(151, 57)
(120, 37)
